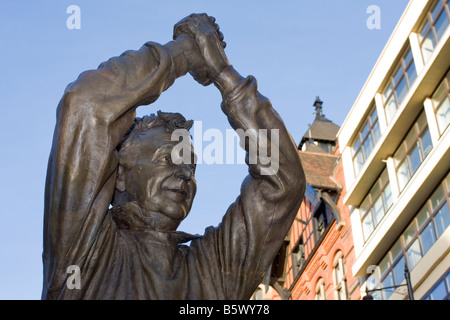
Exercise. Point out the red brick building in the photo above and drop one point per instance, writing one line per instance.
(315, 259)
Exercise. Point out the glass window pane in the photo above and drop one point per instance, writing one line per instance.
(368, 146)
(409, 233)
(427, 145)
(424, 29)
(356, 145)
(443, 115)
(412, 73)
(411, 137)
(428, 46)
(415, 159)
(403, 175)
(441, 24)
(384, 264)
(401, 90)
(435, 10)
(422, 216)
(408, 57)
(338, 273)
(365, 130)
(384, 177)
(378, 211)
(398, 75)
(373, 116)
(358, 162)
(376, 132)
(428, 237)
(391, 108)
(375, 191)
(439, 94)
(387, 92)
(388, 282)
(437, 197)
(422, 121)
(396, 250)
(399, 271)
(442, 219)
(399, 155)
(440, 292)
(367, 226)
(387, 195)
(414, 254)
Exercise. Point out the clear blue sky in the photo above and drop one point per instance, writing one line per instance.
(295, 49)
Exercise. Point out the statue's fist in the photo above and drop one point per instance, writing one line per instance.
(209, 59)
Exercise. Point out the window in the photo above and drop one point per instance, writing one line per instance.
(340, 279)
(441, 103)
(441, 290)
(424, 230)
(412, 151)
(366, 139)
(376, 204)
(434, 26)
(399, 84)
(321, 219)
(320, 290)
(277, 271)
(298, 257)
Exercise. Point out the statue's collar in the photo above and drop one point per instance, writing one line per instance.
(129, 216)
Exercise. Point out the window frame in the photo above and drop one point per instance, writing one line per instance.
(394, 85)
(320, 293)
(322, 210)
(394, 256)
(298, 259)
(341, 284)
(361, 140)
(445, 279)
(429, 23)
(408, 150)
(446, 84)
(373, 200)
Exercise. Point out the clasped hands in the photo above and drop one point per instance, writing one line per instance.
(203, 47)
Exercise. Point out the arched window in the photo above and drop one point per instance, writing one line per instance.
(340, 278)
(320, 290)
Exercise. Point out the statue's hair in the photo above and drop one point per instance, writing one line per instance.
(172, 121)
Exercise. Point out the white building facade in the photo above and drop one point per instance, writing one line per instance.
(396, 156)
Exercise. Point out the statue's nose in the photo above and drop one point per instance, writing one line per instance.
(184, 173)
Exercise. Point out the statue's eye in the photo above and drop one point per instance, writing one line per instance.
(166, 159)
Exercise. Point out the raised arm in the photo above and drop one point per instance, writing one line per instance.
(93, 115)
(255, 225)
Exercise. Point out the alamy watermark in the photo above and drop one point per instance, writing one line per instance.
(262, 146)
(74, 20)
(74, 280)
(374, 20)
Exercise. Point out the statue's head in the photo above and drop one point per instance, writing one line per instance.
(147, 174)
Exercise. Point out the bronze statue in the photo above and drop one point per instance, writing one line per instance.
(114, 198)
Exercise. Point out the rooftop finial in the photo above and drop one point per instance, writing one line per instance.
(318, 105)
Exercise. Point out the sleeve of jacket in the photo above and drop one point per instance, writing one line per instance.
(246, 242)
(93, 115)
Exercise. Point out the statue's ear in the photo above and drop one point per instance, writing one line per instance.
(120, 179)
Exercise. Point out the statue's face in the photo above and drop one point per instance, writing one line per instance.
(155, 182)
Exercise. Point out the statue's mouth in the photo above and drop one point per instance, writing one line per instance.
(180, 192)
